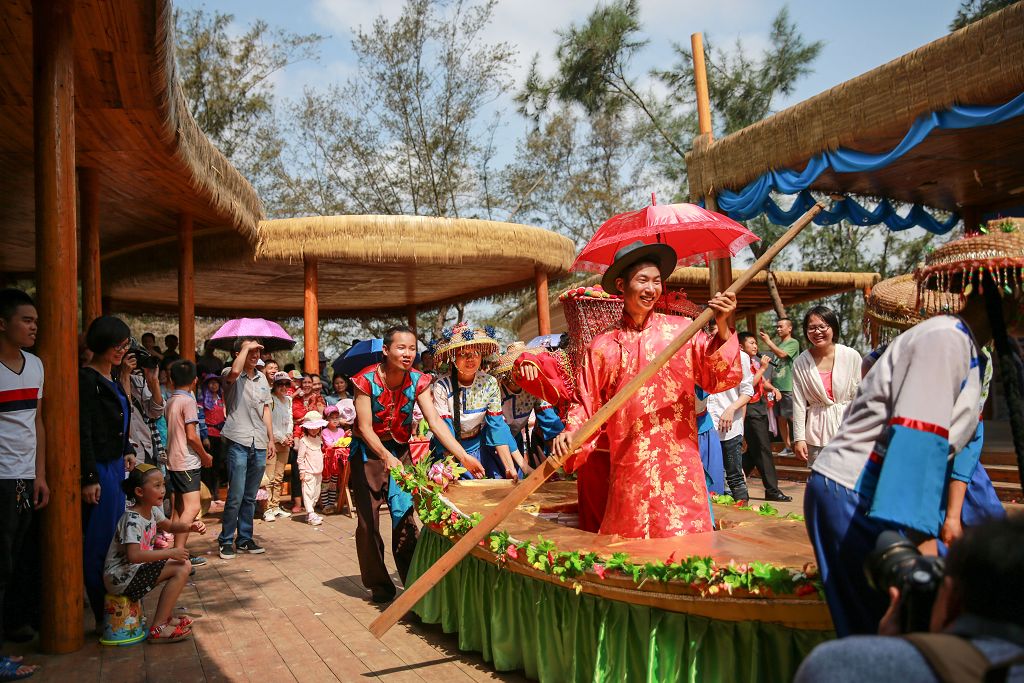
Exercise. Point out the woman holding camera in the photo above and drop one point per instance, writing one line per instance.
(104, 418)
(899, 459)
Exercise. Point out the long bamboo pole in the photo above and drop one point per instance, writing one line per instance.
(412, 594)
(53, 105)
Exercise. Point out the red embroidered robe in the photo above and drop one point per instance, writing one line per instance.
(657, 486)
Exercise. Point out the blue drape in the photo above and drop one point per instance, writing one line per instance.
(755, 198)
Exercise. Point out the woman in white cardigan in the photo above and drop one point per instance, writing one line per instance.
(825, 380)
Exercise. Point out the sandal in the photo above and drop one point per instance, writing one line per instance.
(157, 634)
(12, 669)
(182, 621)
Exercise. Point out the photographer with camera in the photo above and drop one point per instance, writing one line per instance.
(971, 606)
(140, 378)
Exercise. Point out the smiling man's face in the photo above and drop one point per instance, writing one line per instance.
(642, 290)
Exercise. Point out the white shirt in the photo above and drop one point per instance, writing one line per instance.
(717, 403)
(928, 377)
(20, 393)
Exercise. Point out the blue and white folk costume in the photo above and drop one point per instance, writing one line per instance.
(904, 437)
(481, 421)
(516, 408)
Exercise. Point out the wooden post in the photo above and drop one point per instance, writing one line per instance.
(186, 289)
(752, 323)
(311, 315)
(971, 217)
(543, 306)
(89, 200)
(53, 109)
(410, 313)
(720, 270)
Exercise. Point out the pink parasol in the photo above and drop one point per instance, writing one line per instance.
(696, 234)
(271, 335)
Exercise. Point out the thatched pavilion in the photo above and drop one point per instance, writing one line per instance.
(96, 138)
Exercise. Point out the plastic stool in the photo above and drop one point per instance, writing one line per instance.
(123, 621)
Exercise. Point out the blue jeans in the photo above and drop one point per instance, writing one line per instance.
(732, 454)
(246, 465)
(99, 523)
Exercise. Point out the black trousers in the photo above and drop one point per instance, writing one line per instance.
(759, 451)
(16, 501)
(370, 483)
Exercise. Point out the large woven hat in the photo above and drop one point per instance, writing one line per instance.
(508, 358)
(947, 269)
(462, 336)
(892, 307)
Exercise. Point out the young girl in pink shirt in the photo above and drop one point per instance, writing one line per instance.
(310, 458)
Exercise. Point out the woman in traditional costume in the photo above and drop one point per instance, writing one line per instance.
(825, 380)
(475, 416)
(900, 457)
(517, 405)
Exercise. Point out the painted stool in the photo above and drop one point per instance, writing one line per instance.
(123, 621)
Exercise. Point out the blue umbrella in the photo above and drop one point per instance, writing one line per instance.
(549, 340)
(362, 354)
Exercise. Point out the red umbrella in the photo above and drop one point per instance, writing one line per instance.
(696, 234)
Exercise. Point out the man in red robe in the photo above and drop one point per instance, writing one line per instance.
(656, 484)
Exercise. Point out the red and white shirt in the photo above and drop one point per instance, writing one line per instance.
(20, 393)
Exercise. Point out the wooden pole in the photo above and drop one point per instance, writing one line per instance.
(543, 306)
(410, 314)
(719, 270)
(186, 289)
(752, 323)
(53, 109)
(412, 594)
(89, 200)
(971, 217)
(311, 315)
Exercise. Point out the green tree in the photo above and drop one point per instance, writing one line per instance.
(972, 10)
(227, 80)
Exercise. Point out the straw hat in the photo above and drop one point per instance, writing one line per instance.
(945, 269)
(462, 336)
(507, 359)
(892, 307)
(313, 420)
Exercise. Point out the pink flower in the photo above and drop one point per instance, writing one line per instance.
(513, 552)
(599, 570)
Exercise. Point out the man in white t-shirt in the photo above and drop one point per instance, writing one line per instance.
(22, 463)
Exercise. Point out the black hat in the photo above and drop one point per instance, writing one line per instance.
(662, 254)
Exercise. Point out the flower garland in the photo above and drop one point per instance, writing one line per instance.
(427, 483)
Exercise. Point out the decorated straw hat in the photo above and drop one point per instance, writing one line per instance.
(892, 307)
(512, 352)
(999, 251)
(462, 336)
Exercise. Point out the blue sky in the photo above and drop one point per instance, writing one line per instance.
(858, 35)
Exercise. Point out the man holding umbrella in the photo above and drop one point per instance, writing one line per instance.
(246, 432)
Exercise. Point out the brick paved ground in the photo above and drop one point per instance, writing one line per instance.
(296, 613)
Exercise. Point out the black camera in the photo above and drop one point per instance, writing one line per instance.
(896, 561)
(144, 359)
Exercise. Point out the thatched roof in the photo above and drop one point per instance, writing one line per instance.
(132, 125)
(982, 64)
(368, 266)
(794, 288)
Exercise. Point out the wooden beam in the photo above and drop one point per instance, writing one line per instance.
(89, 201)
(411, 313)
(752, 323)
(311, 314)
(720, 275)
(186, 289)
(543, 306)
(53, 109)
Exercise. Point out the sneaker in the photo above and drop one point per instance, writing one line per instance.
(786, 453)
(328, 510)
(197, 561)
(314, 519)
(251, 547)
(227, 552)
(269, 516)
(281, 512)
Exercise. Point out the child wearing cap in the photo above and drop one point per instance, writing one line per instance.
(310, 458)
(277, 455)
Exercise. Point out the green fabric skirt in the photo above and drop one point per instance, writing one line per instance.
(553, 634)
